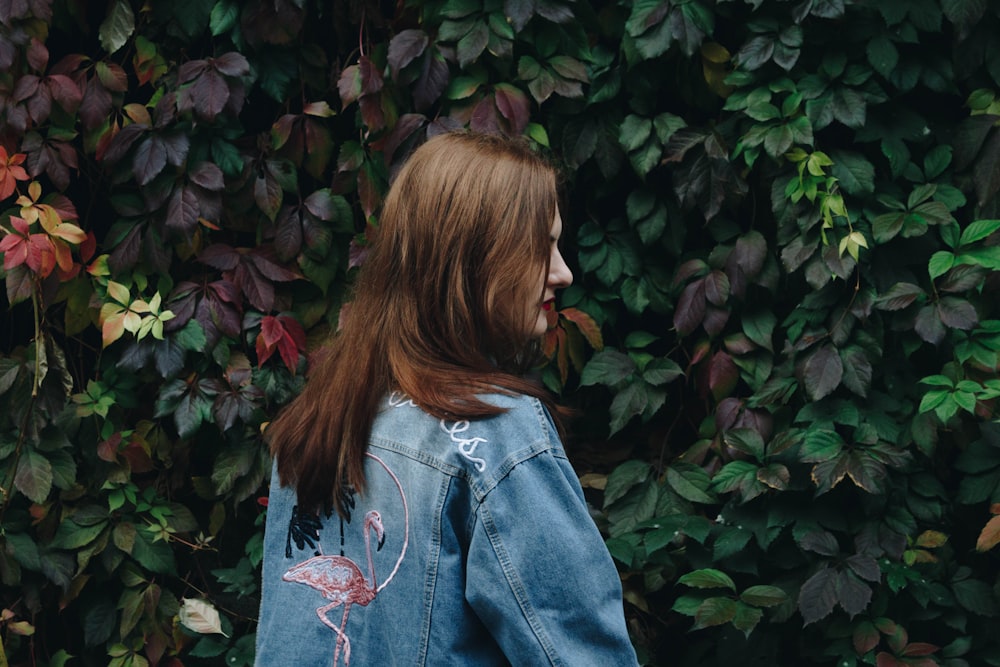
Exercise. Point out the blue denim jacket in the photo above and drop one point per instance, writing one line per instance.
(472, 545)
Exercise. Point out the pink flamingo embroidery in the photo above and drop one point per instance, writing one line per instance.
(341, 581)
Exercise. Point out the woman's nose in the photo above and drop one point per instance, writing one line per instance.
(559, 274)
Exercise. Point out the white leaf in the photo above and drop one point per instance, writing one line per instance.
(117, 27)
(200, 616)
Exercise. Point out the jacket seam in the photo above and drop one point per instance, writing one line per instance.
(517, 586)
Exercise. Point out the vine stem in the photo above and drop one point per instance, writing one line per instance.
(36, 382)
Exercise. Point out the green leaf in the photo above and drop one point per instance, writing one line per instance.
(223, 18)
(708, 578)
(608, 367)
(627, 403)
(690, 482)
(623, 478)
(820, 445)
(154, 556)
(715, 611)
(71, 535)
(117, 26)
(978, 230)
(855, 173)
(763, 596)
(937, 160)
(940, 263)
(746, 618)
(634, 132)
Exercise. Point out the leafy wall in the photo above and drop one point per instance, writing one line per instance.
(783, 339)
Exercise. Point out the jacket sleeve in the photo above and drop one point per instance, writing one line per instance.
(539, 575)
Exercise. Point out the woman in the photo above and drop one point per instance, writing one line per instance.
(422, 510)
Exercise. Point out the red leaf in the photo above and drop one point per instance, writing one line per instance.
(514, 106)
(865, 637)
(917, 649)
(587, 326)
(989, 537)
(722, 375)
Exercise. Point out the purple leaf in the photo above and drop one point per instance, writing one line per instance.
(957, 313)
(231, 64)
(433, 80)
(210, 94)
(220, 256)
(717, 288)
(263, 263)
(823, 372)
(182, 211)
(404, 48)
(928, 325)
(519, 11)
(176, 144)
(853, 594)
(257, 289)
(268, 194)
(690, 308)
(865, 566)
(122, 142)
(818, 595)
(484, 117)
(149, 160)
(899, 296)
(288, 234)
(819, 541)
(207, 175)
(405, 127)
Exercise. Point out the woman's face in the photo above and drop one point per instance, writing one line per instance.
(559, 276)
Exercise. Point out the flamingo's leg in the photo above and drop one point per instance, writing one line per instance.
(343, 636)
(322, 613)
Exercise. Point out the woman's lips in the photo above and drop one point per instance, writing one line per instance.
(548, 305)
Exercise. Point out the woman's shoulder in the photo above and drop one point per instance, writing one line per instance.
(479, 449)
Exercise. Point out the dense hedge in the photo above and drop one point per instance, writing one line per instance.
(783, 339)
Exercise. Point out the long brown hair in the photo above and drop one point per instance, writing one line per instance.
(440, 310)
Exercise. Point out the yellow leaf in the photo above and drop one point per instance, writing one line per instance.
(119, 293)
(931, 539)
(131, 322)
(593, 480)
(69, 232)
(990, 536)
(35, 190)
(112, 329)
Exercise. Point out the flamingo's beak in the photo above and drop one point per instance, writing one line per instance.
(381, 541)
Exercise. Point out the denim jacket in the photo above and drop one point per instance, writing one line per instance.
(471, 545)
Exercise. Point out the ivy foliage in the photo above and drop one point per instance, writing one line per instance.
(783, 338)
